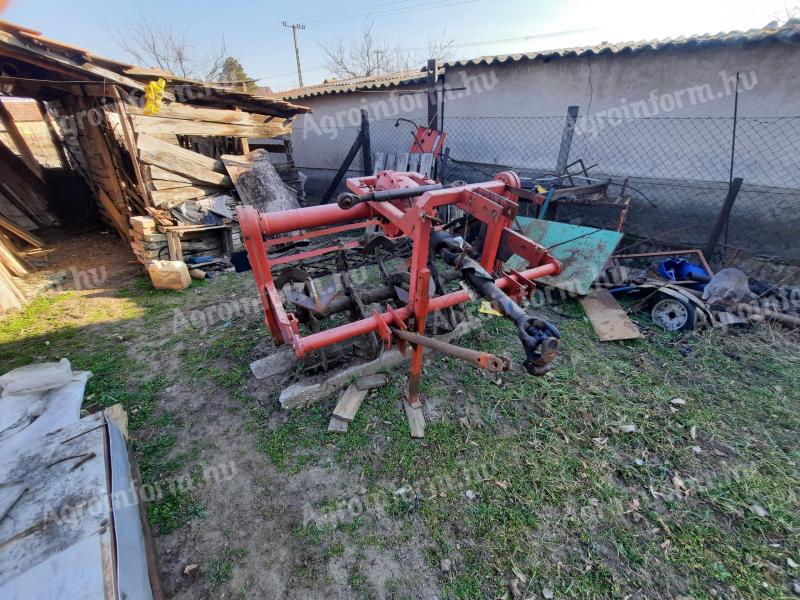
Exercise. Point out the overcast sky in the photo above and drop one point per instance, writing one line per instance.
(253, 33)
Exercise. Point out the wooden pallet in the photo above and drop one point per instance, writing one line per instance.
(405, 161)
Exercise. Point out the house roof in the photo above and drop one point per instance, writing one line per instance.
(788, 34)
(36, 62)
(355, 84)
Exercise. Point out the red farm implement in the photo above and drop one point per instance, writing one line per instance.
(397, 210)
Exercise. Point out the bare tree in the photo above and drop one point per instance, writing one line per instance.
(789, 16)
(153, 45)
(366, 57)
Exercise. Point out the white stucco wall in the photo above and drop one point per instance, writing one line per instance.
(502, 116)
(652, 114)
(662, 118)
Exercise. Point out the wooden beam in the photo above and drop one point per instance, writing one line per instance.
(24, 189)
(10, 259)
(102, 171)
(607, 317)
(158, 124)
(171, 197)
(117, 220)
(165, 175)
(179, 160)
(54, 61)
(19, 141)
(55, 139)
(130, 146)
(212, 115)
(14, 28)
(166, 184)
(10, 295)
(349, 403)
(50, 43)
(21, 233)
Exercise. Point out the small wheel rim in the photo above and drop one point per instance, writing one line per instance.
(670, 314)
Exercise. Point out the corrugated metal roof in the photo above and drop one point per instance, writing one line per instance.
(355, 84)
(789, 33)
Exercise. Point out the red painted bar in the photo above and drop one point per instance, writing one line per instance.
(285, 221)
(290, 258)
(364, 326)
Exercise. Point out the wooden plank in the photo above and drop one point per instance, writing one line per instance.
(416, 420)
(103, 170)
(11, 261)
(608, 319)
(168, 198)
(130, 146)
(143, 224)
(15, 29)
(54, 44)
(337, 425)
(55, 139)
(413, 161)
(426, 164)
(25, 190)
(212, 115)
(349, 402)
(401, 163)
(158, 125)
(19, 140)
(367, 382)
(174, 245)
(19, 232)
(110, 208)
(10, 296)
(161, 184)
(379, 162)
(165, 175)
(179, 160)
(55, 61)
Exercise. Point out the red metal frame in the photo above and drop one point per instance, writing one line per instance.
(427, 140)
(492, 202)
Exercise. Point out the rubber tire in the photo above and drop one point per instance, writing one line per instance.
(691, 315)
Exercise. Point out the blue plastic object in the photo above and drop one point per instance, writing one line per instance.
(680, 269)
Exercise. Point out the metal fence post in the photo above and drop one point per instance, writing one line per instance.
(433, 100)
(366, 143)
(566, 140)
(724, 214)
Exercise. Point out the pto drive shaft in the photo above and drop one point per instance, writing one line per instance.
(539, 337)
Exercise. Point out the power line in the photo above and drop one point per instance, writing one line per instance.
(397, 11)
(358, 10)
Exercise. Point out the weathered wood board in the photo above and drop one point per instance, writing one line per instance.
(609, 321)
(179, 160)
(349, 402)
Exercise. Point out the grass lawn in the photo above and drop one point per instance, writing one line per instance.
(664, 467)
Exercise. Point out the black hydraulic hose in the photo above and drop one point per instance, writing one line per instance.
(348, 200)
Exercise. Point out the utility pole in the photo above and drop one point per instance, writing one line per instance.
(294, 28)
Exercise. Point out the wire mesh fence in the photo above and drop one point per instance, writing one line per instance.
(678, 169)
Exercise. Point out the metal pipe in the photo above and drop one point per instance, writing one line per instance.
(348, 331)
(273, 223)
(484, 360)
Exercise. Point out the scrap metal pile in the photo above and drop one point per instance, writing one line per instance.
(399, 213)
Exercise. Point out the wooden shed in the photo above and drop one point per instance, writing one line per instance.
(80, 139)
